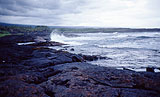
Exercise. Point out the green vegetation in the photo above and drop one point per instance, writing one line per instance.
(23, 30)
(4, 33)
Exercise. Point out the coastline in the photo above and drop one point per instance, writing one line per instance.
(35, 70)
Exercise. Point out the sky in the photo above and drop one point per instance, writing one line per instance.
(99, 13)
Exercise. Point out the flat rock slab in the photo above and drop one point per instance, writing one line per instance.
(86, 80)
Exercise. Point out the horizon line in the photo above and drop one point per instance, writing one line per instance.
(78, 26)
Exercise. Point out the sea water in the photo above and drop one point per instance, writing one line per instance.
(134, 50)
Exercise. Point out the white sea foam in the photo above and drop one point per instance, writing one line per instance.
(132, 49)
(72, 40)
(57, 36)
(26, 43)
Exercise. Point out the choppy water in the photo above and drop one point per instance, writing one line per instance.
(135, 50)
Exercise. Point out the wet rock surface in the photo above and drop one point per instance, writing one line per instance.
(37, 71)
(82, 79)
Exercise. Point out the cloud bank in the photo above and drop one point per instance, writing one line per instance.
(103, 13)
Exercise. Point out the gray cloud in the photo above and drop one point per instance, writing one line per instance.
(121, 13)
(44, 11)
(38, 7)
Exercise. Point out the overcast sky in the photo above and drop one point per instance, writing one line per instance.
(103, 13)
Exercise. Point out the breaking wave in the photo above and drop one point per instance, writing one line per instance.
(58, 36)
(133, 49)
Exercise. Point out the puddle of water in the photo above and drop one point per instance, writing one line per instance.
(26, 43)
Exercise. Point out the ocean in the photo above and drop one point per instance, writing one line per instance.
(132, 50)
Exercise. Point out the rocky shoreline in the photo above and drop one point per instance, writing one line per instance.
(37, 71)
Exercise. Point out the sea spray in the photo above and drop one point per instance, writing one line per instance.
(127, 49)
(59, 36)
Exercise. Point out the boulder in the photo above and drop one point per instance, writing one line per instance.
(150, 69)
